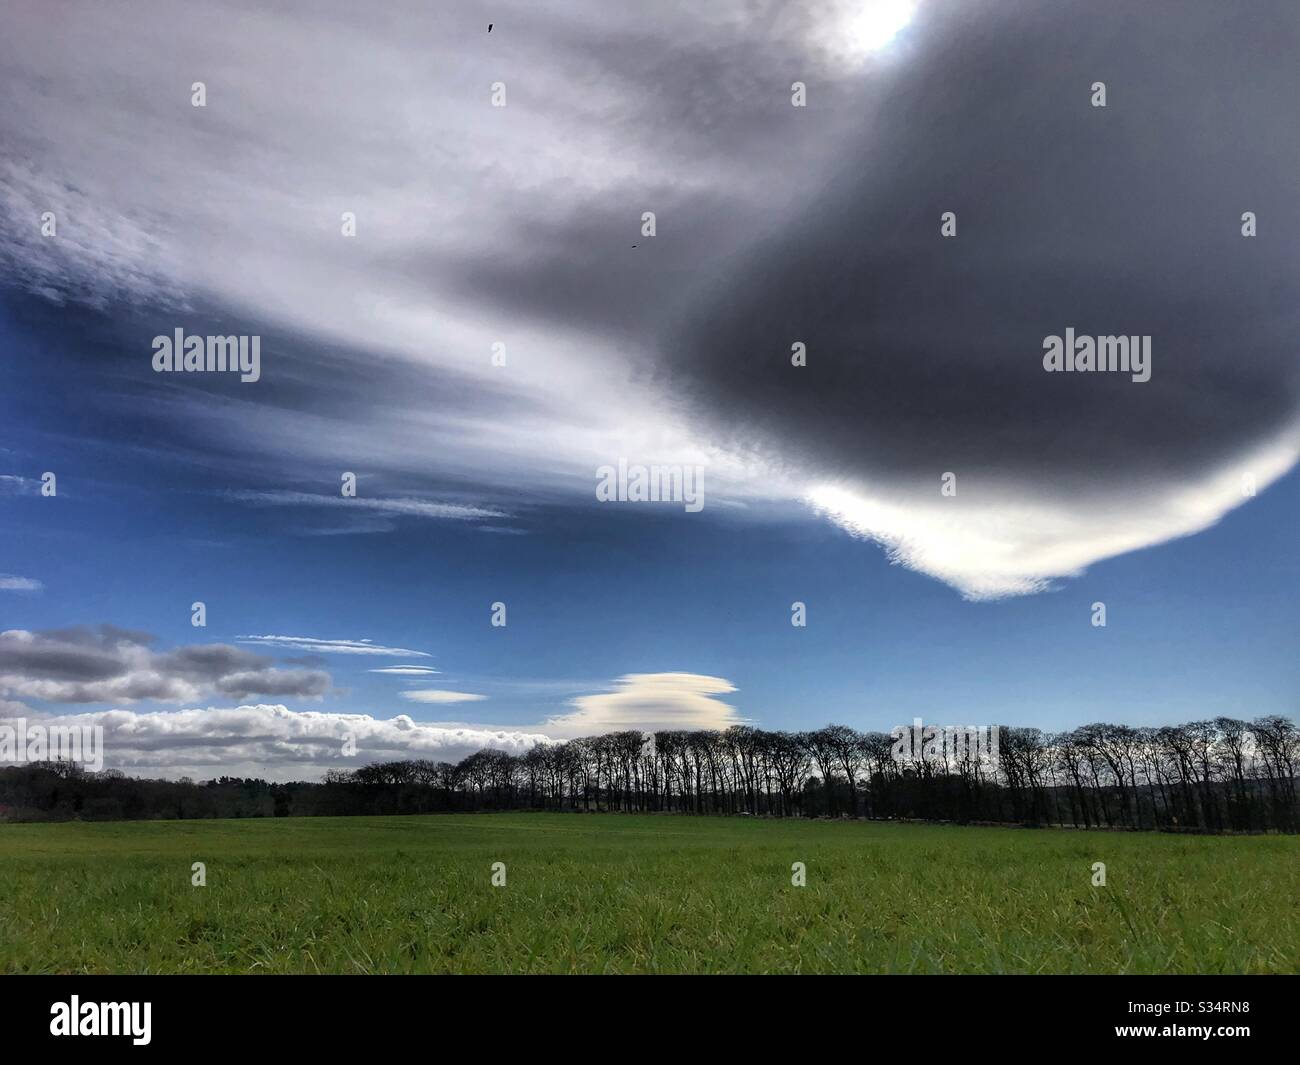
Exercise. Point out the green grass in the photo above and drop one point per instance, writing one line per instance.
(621, 894)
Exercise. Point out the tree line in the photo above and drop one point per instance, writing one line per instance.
(1220, 775)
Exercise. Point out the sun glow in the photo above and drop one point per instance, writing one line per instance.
(876, 23)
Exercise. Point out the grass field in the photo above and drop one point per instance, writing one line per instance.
(623, 894)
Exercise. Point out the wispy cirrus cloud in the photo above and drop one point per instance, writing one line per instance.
(415, 508)
(406, 671)
(12, 484)
(332, 647)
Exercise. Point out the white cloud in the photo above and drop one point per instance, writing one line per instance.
(331, 647)
(10, 583)
(649, 702)
(442, 186)
(406, 671)
(418, 508)
(436, 695)
(274, 742)
(997, 545)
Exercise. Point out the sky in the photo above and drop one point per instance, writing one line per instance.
(439, 237)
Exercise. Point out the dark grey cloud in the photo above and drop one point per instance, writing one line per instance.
(925, 353)
(274, 682)
(80, 654)
(105, 664)
(104, 636)
(210, 660)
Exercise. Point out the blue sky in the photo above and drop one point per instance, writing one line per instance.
(1195, 627)
(477, 230)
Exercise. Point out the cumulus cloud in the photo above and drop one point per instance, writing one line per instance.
(107, 664)
(11, 583)
(274, 742)
(478, 225)
(278, 743)
(649, 702)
